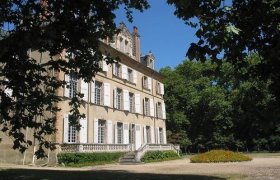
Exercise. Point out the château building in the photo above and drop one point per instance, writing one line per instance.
(123, 104)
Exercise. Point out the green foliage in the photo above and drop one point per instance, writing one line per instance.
(155, 156)
(228, 109)
(229, 31)
(85, 159)
(216, 156)
(51, 27)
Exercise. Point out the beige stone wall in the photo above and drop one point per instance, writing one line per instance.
(94, 111)
(10, 155)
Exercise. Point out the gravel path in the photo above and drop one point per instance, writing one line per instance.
(258, 168)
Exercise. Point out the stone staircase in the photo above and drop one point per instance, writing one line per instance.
(129, 158)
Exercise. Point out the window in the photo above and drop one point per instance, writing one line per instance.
(132, 134)
(151, 64)
(158, 87)
(126, 47)
(130, 75)
(72, 133)
(119, 133)
(101, 131)
(131, 102)
(121, 44)
(159, 110)
(146, 107)
(117, 70)
(98, 92)
(161, 136)
(72, 85)
(148, 133)
(145, 82)
(118, 98)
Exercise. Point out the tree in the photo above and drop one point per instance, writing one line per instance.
(229, 109)
(49, 26)
(232, 30)
(197, 106)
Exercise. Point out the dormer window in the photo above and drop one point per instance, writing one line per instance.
(121, 44)
(126, 46)
(151, 64)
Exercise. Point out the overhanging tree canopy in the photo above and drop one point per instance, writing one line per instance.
(49, 26)
(231, 30)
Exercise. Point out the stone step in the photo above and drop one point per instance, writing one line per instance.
(130, 156)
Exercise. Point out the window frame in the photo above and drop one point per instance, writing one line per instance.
(119, 133)
(100, 94)
(145, 82)
(119, 98)
(131, 102)
(102, 131)
(130, 75)
(146, 106)
(159, 110)
(73, 85)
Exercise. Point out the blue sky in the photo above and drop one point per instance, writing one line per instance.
(161, 32)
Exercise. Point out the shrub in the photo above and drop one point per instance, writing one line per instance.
(86, 159)
(154, 156)
(216, 156)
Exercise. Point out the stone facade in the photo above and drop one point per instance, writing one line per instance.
(123, 104)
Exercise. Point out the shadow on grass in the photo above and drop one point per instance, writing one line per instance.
(24, 174)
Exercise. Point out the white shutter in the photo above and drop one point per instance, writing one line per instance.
(115, 97)
(158, 137)
(114, 69)
(161, 89)
(104, 64)
(152, 108)
(163, 111)
(126, 100)
(66, 90)
(164, 135)
(145, 134)
(107, 94)
(134, 76)
(116, 133)
(124, 72)
(152, 135)
(109, 132)
(66, 128)
(92, 92)
(95, 131)
(137, 136)
(83, 130)
(125, 133)
(137, 103)
(149, 83)
(84, 90)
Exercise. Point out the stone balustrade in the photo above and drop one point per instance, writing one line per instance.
(95, 147)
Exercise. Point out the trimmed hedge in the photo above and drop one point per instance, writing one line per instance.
(155, 156)
(87, 159)
(216, 156)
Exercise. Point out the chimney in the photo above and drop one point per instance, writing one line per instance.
(136, 43)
